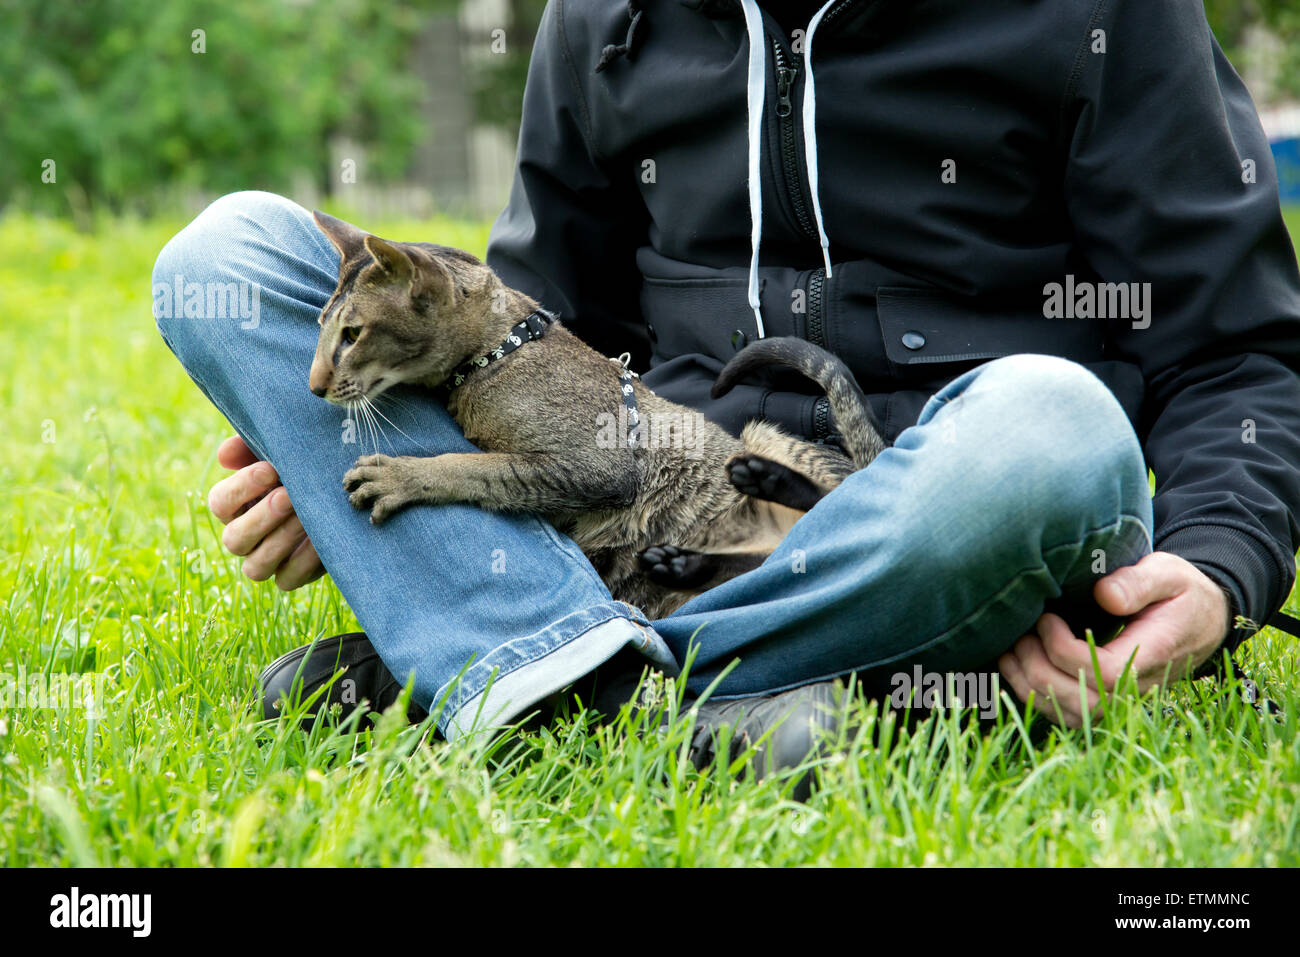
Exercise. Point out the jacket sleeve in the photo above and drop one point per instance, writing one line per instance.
(569, 234)
(1170, 181)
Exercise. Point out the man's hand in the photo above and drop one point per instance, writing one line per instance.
(260, 521)
(1177, 618)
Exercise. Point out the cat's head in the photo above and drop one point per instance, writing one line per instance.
(401, 313)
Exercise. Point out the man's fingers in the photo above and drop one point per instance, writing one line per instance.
(232, 494)
(1147, 641)
(1056, 693)
(1069, 653)
(272, 551)
(1009, 666)
(234, 453)
(260, 520)
(1174, 614)
(244, 533)
(1014, 672)
(303, 566)
(1128, 590)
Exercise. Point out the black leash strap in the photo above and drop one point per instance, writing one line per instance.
(1249, 686)
(1284, 622)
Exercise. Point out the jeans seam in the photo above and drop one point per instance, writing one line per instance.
(1117, 524)
(553, 539)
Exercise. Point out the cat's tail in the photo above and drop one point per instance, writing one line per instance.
(853, 416)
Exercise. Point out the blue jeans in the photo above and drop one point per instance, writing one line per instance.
(1019, 485)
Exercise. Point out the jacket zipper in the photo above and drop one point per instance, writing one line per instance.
(786, 73)
(785, 77)
(816, 334)
(821, 418)
(816, 307)
(834, 12)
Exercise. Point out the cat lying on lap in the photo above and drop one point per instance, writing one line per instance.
(660, 522)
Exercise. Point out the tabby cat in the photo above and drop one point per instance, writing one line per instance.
(659, 521)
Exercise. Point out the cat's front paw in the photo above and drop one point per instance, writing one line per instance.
(383, 484)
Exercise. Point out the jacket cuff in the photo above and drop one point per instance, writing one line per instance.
(1242, 566)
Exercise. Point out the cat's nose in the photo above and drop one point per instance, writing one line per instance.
(319, 380)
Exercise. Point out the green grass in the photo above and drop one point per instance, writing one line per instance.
(109, 562)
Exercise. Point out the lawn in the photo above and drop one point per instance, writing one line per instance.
(110, 563)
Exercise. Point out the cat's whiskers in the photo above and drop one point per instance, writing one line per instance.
(358, 426)
(361, 421)
(380, 412)
(371, 426)
(402, 405)
(375, 430)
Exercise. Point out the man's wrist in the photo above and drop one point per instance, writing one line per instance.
(1213, 665)
(1240, 563)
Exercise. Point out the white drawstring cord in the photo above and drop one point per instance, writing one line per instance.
(757, 94)
(810, 132)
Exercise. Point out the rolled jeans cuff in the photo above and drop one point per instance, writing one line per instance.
(514, 676)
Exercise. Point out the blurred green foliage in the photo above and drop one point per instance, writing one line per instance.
(1231, 19)
(117, 94)
(499, 85)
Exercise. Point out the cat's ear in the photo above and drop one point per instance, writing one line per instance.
(432, 282)
(347, 239)
(391, 259)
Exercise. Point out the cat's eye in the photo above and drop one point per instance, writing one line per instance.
(350, 334)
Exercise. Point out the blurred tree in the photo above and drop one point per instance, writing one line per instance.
(1232, 19)
(1283, 17)
(126, 97)
(499, 84)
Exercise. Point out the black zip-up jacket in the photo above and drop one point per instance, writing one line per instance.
(1105, 140)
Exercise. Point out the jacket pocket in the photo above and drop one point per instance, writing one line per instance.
(925, 327)
(710, 315)
(695, 316)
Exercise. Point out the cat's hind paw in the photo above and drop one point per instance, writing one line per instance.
(675, 567)
(766, 479)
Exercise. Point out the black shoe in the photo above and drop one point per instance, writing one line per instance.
(307, 669)
(800, 721)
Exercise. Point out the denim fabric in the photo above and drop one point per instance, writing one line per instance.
(491, 612)
(1021, 482)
